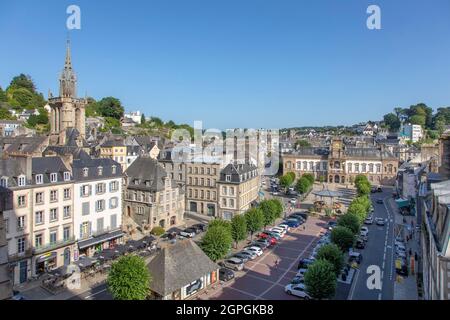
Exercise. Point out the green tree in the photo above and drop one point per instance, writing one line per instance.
(392, 121)
(110, 107)
(238, 228)
(351, 221)
(6, 115)
(255, 220)
(302, 143)
(278, 206)
(269, 210)
(343, 237)
(286, 181)
(3, 97)
(217, 241)
(292, 176)
(331, 253)
(142, 119)
(303, 185)
(23, 81)
(418, 119)
(309, 177)
(220, 223)
(320, 280)
(129, 279)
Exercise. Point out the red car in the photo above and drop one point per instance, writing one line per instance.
(272, 240)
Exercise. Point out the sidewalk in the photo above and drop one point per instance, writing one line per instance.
(405, 287)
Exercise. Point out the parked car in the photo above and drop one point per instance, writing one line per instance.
(292, 201)
(364, 231)
(301, 272)
(284, 226)
(331, 225)
(257, 250)
(188, 233)
(379, 221)
(262, 246)
(225, 274)
(275, 193)
(279, 230)
(304, 263)
(355, 256)
(250, 254)
(293, 223)
(369, 220)
(199, 227)
(265, 242)
(379, 201)
(233, 264)
(304, 215)
(297, 290)
(272, 234)
(298, 280)
(297, 217)
(360, 243)
(242, 256)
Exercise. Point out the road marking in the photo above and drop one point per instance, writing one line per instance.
(94, 294)
(352, 289)
(290, 266)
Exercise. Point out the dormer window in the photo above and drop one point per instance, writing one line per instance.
(39, 179)
(21, 181)
(4, 182)
(85, 172)
(53, 177)
(100, 171)
(147, 183)
(66, 176)
(136, 181)
(228, 177)
(113, 168)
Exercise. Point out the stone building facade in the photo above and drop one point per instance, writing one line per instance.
(340, 164)
(67, 111)
(238, 189)
(152, 198)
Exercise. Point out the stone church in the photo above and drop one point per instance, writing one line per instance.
(67, 111)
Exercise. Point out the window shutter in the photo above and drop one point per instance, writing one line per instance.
(90, 190)
(81, 190)
(81, 231)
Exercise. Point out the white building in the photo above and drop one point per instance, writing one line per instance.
(411, 132)
(134, 115)
(97, 204)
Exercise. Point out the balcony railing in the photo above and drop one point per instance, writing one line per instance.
(53, 246)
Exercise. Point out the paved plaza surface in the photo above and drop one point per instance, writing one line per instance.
(262, 279)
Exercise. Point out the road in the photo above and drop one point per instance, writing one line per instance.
(97, 293)
(379, 252)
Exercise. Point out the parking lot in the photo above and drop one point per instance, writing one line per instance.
(261, 278)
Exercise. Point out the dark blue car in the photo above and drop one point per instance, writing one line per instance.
(293, 223)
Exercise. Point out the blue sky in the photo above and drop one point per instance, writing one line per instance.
(238, 63)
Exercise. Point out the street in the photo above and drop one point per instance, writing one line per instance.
(379, 251)
(97, 293)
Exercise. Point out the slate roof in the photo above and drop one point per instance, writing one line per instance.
(368, 153)
(12, 168)
(248, 171)
(146, 174)
(23, 145)
(47, 165)
(93, 165)
(311, 151)
(178, 265)
(76, 152)
(113, 142)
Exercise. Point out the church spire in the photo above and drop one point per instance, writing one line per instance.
(68, 79)
(68, 63)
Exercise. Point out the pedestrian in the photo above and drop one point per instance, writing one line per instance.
(304, 227)
(276, 263)
(416, 257)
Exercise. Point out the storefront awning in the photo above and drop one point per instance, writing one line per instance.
(45, 257)
(100, 239)
(401, 203)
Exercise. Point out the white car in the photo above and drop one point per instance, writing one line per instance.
(379, 221)
(369, 220)
(278, 230)
(254, 249)
(187, 233)
(297, 290)
(284, 226)
(364, 232)
(275, 193)
(292, 201)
